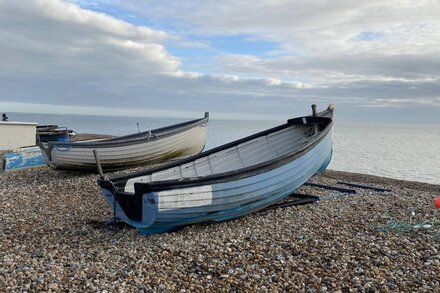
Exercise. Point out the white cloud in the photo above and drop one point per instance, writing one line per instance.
(355, 54)
(226, 78)
(273, 82)
(52, 38)
(333, 70)
(318, 40)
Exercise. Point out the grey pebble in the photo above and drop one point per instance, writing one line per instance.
(53, 238)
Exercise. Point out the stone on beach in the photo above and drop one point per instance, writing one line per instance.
(52, 239)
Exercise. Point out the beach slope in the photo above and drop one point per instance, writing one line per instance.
(52, 238)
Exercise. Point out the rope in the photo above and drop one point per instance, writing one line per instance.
(393, 225)
(150, 134)
(410, 226)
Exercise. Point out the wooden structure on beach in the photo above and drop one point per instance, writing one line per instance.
(17, 134)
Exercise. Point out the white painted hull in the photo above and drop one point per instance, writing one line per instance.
(121, 154)
(222, 201)
(224, 183)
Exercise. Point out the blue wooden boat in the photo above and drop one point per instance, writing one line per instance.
(226, 182)
(29, 157)
(32, 156)
(23, 158)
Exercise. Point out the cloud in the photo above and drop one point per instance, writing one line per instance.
(338, 46)
(316, 24)
(361, 56)
(42, 38)
(332, 70)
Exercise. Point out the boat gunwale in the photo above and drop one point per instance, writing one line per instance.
(132, 203)
(127, 140)
(136, 137)
(144, 187)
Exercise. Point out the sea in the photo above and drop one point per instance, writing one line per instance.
(409, 152)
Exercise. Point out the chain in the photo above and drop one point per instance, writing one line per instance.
(114, 209)
(113, 220)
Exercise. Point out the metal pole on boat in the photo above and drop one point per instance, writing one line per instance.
(315, 114)
(98, 165)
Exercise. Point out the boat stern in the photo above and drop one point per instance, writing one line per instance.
(138, 209)
(45, 150)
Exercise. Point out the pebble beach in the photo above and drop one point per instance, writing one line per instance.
(53, 238)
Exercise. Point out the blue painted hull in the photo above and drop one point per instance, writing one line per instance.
(225, 200)
(28, 157)
(60, 137)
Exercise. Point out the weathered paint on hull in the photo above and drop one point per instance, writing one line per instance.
(23, 158)
(181, 145)
(226, 200)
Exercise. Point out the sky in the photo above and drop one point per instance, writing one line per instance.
(377, 61)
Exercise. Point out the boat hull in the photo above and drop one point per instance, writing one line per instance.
(62, 136)
(169, 210)
(121, 153)
(23, 158)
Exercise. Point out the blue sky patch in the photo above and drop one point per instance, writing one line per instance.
(194, 57)
(241, 44)
(216, 46)
(369, 36)
(127, 16)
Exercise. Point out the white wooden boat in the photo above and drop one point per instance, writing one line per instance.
(158, 145)
(229, 181)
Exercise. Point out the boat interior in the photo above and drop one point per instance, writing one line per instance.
(266, 146)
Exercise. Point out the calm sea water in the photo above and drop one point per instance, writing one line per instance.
(410, 152)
